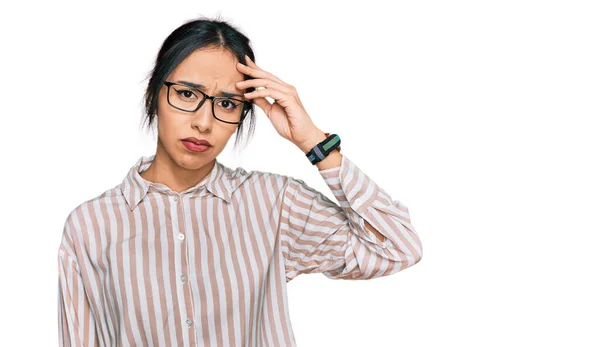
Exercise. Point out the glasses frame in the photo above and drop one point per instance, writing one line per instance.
(246, 108)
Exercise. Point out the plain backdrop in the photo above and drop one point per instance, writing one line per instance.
(480, 116)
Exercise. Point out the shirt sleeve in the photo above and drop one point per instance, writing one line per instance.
(76, 322)
(319, 235)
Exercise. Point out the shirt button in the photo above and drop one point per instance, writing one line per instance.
(182, 277)
(175, 198)
(189, 322)
(358, 201)
(181, 236)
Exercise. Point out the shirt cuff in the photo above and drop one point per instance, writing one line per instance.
(351, 187)
(356, 193)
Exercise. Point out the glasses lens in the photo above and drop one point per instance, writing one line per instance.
(184, 98)
(229, 109)
(226, 109)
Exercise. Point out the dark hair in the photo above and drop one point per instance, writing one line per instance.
(190, 36)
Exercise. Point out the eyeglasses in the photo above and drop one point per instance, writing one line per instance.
(226, 109)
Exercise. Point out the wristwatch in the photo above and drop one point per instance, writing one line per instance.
(322, 149)
(338, 148)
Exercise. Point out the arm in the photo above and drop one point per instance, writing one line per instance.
(319, 235)
(334, 159)
(76, 322)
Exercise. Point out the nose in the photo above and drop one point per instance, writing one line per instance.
(203, 116)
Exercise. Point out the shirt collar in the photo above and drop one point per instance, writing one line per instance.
(221, 182)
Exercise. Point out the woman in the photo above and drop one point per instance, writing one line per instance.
(186, 251)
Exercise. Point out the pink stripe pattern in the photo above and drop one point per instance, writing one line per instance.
(143, 265)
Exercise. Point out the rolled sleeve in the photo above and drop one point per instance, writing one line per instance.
(319, 235)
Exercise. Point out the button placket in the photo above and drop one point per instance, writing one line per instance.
(185, 264)
(175, 198)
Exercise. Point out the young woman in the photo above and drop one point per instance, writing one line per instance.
(189, 252)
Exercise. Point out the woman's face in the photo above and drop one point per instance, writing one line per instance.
(215, 69)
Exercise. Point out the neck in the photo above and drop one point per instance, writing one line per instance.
(164, 170)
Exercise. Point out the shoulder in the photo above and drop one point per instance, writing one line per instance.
(76, 219)
(264, 179)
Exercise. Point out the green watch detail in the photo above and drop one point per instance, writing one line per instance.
(322, 149)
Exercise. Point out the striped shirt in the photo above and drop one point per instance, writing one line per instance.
(142, 265)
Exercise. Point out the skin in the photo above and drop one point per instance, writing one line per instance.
(175, 166)
(218, 69)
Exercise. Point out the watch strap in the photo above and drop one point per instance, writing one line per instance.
(322, 149)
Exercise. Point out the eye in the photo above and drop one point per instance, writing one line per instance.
(228, 104)
(186, 93)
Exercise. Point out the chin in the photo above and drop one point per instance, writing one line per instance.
(194, 161)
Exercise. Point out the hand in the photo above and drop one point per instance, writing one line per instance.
(286, 113)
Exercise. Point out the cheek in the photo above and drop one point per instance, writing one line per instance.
(168, 125)
(224, 132)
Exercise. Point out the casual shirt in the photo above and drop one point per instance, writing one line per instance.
(143, 265)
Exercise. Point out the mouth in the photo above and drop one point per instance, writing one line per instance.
(193, 147)
(197, 141)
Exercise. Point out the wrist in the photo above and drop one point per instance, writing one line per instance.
(315, 138)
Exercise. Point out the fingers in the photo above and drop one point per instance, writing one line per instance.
(253, 70)
(270, 92)
(261, 82)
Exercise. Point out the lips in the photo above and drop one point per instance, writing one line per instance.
(197, 141)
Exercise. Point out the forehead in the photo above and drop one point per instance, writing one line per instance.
(208, 66)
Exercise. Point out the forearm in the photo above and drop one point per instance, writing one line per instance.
(334, 159)
(375, 232)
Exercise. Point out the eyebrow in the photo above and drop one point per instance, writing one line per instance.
(201, 87)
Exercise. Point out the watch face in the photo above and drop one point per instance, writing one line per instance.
(339, 147)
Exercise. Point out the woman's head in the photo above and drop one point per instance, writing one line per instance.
(204, 52)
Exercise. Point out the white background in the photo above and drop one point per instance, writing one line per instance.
(481, 117)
